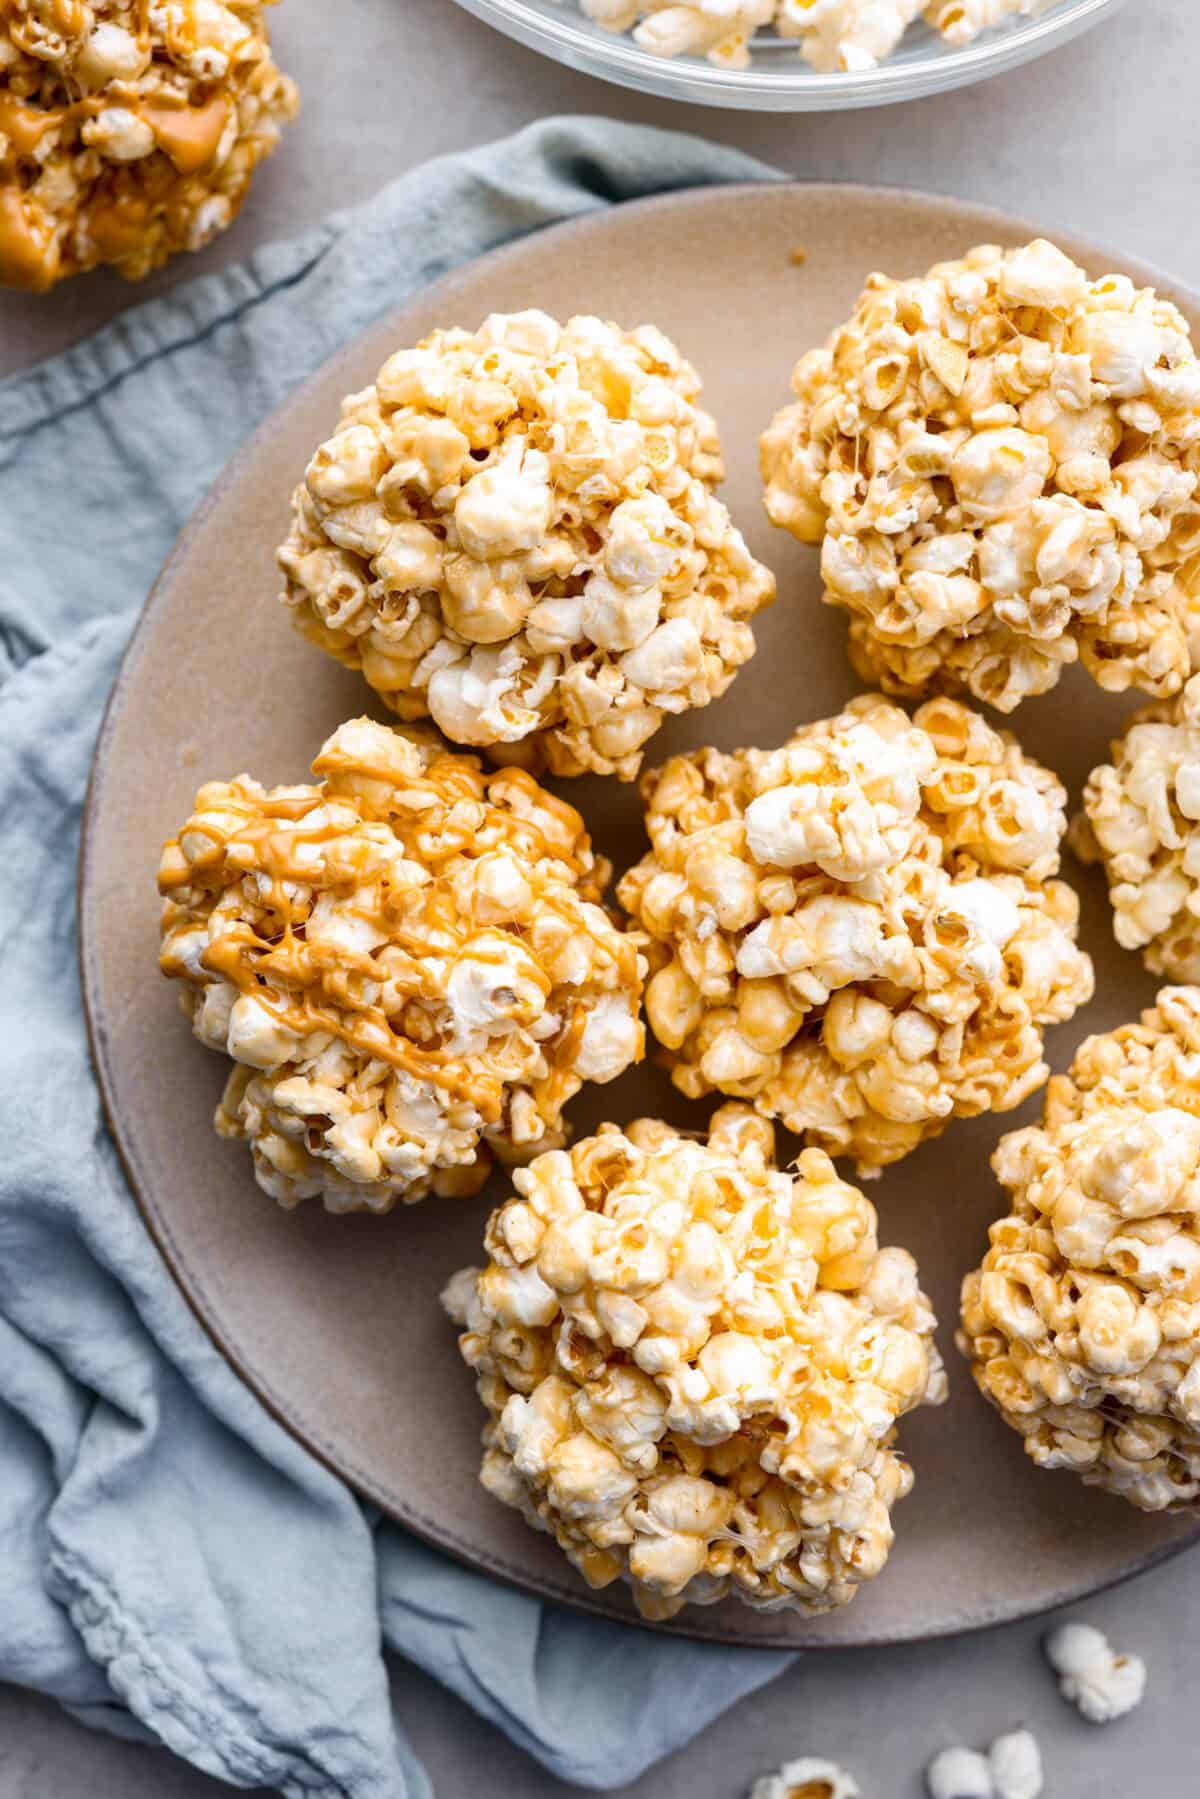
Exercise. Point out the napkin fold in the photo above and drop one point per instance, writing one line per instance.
(173, 1565)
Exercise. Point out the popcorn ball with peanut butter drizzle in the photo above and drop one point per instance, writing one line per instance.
(1141, 819)
(1082, 1325)
(999, 462)
(859, 932)
(694, 1363)
(408, 962)
(514, 532)
(129, 129)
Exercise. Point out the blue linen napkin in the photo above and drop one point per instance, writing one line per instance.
(173, 1566)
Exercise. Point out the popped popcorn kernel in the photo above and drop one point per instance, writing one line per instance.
(1141, 819)
(834, 36)
(811, 1777)
(514, 532)
(1011, 1769)
(1082, 1326)
(409, 963)
(1099, 1683)
(999, 462)
(129, 130)
(693, 1366)
(859, 932)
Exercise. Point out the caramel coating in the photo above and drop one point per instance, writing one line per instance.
(858, 932)
(999, 462)
(1082, 1326)
(693, 1366)
(408, 962)
(514, 531)
(129, 129)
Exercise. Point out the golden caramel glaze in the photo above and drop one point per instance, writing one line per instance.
(421, 940)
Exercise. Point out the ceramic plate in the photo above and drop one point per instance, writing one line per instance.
(335, 1322)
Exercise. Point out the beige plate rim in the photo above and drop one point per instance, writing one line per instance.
(691, 1624)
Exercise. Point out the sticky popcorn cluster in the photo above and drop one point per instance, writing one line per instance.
(408, 962)
(833, 35)
(1082, 1325)
(859, 932)
(1141, 819)
(999, 462)
(129, 129)
(514, 532)
(694, 1363)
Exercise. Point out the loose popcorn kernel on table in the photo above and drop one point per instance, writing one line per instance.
(514, 531)
(858, 932)
(1141, 819)
(129, 129)
(809, 1778)
(1100, 1684)
(1011, 1769)
(999, 462)
(835, 36)
(408, 962)
(1083, 1324)
(693, 1365)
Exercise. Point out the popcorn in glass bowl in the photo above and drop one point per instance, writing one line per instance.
(1082, 1325)
(129, 130)
(859, 932)
(694, 1363)
(999, 462)
(409, 963)
(514, 532)
(1141, 819)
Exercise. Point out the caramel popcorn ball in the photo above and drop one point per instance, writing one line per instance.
(514, 532)
(408, 962)
(999, 462)
(129, 129)
(858, 932)
(834, 35)
(1083, 1324)
(693, 1366)
(1142, 820)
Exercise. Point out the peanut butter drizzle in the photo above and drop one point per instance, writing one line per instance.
(411, 916)
(27, 259)
(189, 135)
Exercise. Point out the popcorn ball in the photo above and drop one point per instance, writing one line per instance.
(408, 962)
(693, 1366)
(858, 932)
(129, 129)
(1142, 820)
(833, 35)
(1083, 1324)
(514, 532)
(999, 463)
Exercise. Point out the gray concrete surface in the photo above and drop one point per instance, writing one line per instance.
(1099, 137)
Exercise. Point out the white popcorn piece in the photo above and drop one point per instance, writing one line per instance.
(1000, 464)
(1082, 1325)
(129, 131)
(694, 1364)
(1098, 1682)
(514, 532)
(859, 932)
(835, 36)
(1011, 1769)
(1141, 819)
(810, 1777)
(1016, 1764)
(959, 1773)
(408, 963)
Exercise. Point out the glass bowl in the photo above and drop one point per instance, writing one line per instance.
(779, 80)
